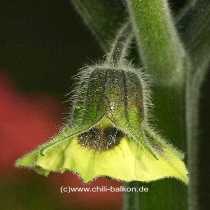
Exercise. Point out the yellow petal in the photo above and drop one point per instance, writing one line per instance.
(127, 161)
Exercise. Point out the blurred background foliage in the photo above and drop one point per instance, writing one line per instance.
(42, 45)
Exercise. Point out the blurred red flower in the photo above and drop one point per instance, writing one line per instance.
(27, 121)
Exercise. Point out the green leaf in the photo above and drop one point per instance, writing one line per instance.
(103, 17)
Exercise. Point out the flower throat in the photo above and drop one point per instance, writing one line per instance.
(101, 139)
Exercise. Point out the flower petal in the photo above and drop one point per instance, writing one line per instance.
(127, 161)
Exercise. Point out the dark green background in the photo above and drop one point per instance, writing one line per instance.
(43, 43)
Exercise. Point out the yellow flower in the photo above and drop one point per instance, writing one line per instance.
(108, 133)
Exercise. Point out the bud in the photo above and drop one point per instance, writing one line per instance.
(107, 133)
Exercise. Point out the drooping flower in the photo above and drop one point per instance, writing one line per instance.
(25, 120)
(108, 133)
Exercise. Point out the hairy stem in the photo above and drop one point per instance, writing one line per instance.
(131, 200)
(165, 61)
(195, 151)
(103, 17)
(119, 49)
(195, 34)
(158, 43)
(189, 4)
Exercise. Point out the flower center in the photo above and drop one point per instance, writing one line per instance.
(101, 138)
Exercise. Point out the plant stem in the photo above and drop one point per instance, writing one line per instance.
(120, 45)
(159, 45)
(192, 98)
(131, 200)
(165, 61)
(102, 17)
(195, 150)
(196, 32)
(188, 5)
